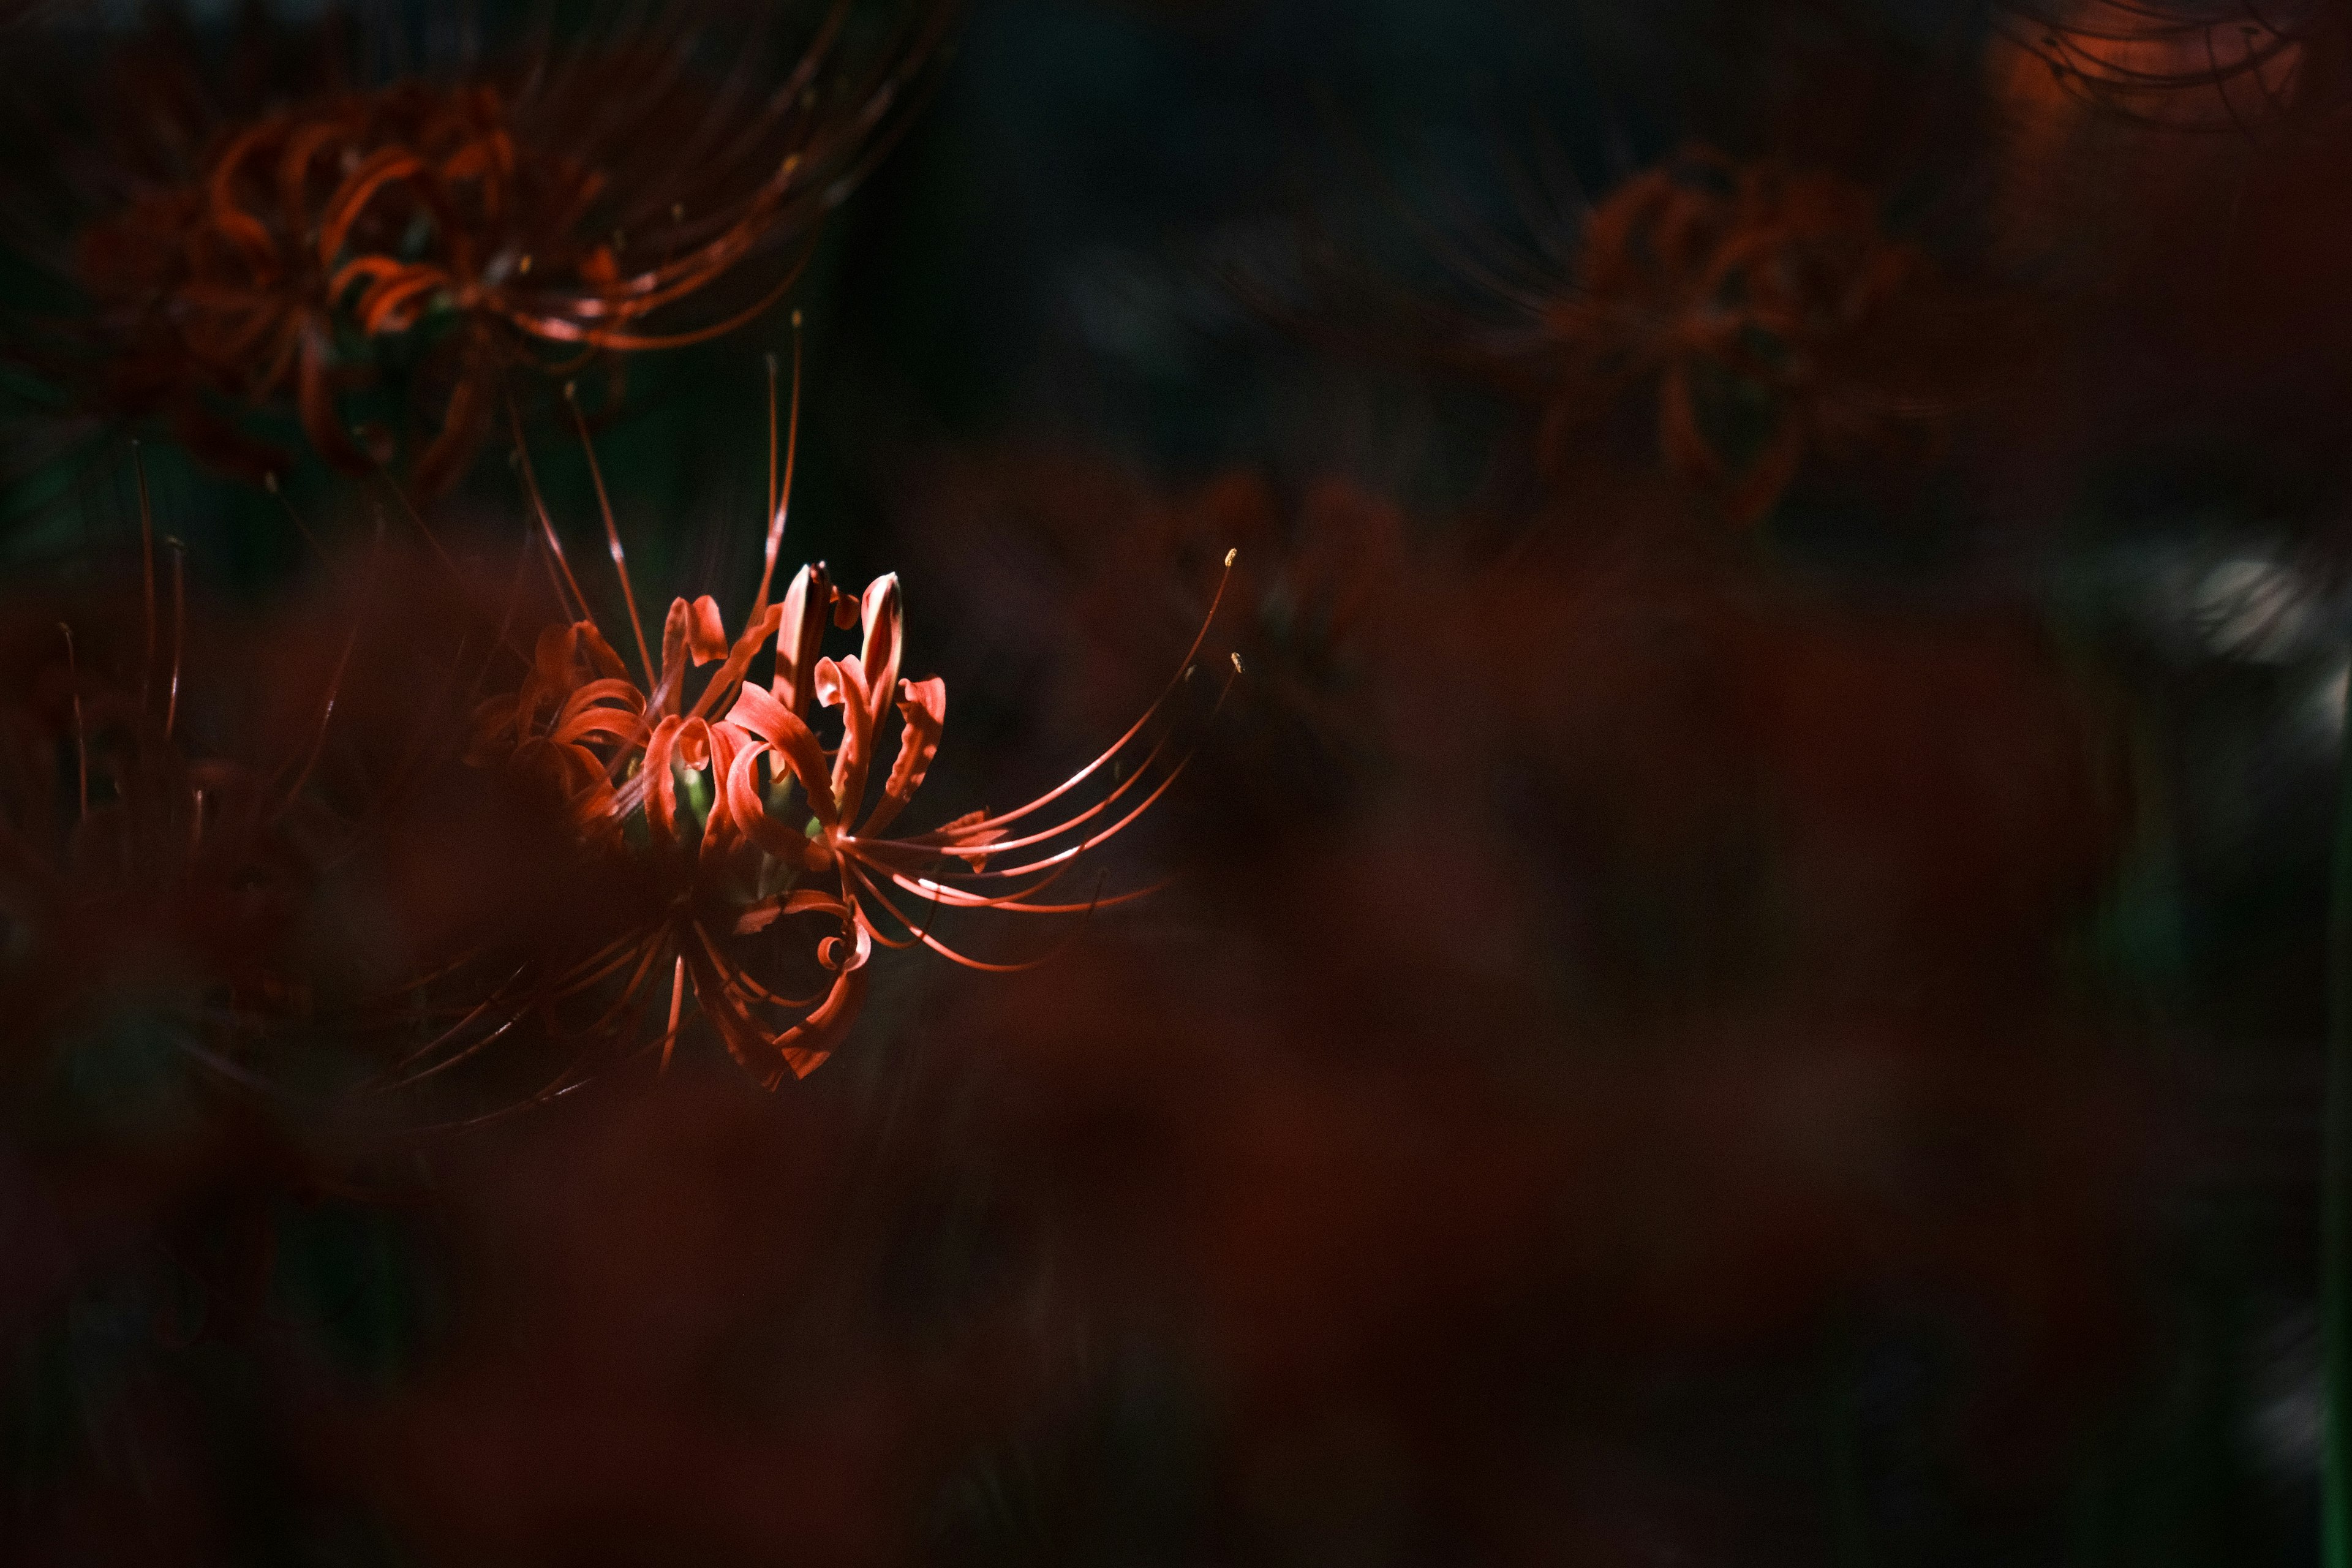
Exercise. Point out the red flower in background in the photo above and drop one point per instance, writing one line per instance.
(647, 188)
(1754, 301)
(1753, 314)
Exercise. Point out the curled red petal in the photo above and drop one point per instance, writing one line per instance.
(706, 636)
(924, 705)
(757, 713)
(798, 640)
(747, 648)
(856, 749)
(806, 1046)
(661, 793)
(884, 614)
(600, 655)
(749, 814)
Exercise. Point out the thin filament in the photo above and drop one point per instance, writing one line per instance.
(179, 629)
(612, 532)
(677, 1004)
(779, 502)
(1183, 668)
(577, 607)
(81, 738)
(146, 571)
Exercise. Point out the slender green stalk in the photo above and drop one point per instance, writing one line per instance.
(2336, 1189)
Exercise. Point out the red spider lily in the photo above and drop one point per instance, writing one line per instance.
(1760, 311)
(755, 826)
(1754, 299)
(605, 196)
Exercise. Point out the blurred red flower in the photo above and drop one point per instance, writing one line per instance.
(647, 186)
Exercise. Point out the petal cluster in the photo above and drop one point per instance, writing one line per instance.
(772, 808)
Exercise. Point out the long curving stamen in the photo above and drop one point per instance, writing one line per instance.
(1141, 807)
(996, 847)
(269, 483)
(677, 1004)
(608, 961)
(146, 572)
(779, 502)
(561, 330)
(944, 951)
(942, 898)
(1183, 668)
(81, 738)
(770, 361)
(948, 896)
(612, 532)
(179, 629)
(335, 680)
(473, 1047)
(577, 609)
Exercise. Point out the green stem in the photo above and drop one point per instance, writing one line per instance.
(2336, 1186)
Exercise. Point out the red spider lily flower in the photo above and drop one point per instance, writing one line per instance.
(1759, 313)
(754, 827)
(1755, 300)
(439, 231)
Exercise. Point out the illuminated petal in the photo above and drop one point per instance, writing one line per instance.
(661, 791)
(749, 814)
(747, 648)
(601, 654)
(706, 632)
(924, 705)
(806, 1046)
(886, 636)
(856, 750)
(757, 713)
(801, 635)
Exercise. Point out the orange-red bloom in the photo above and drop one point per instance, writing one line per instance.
(757, 831)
